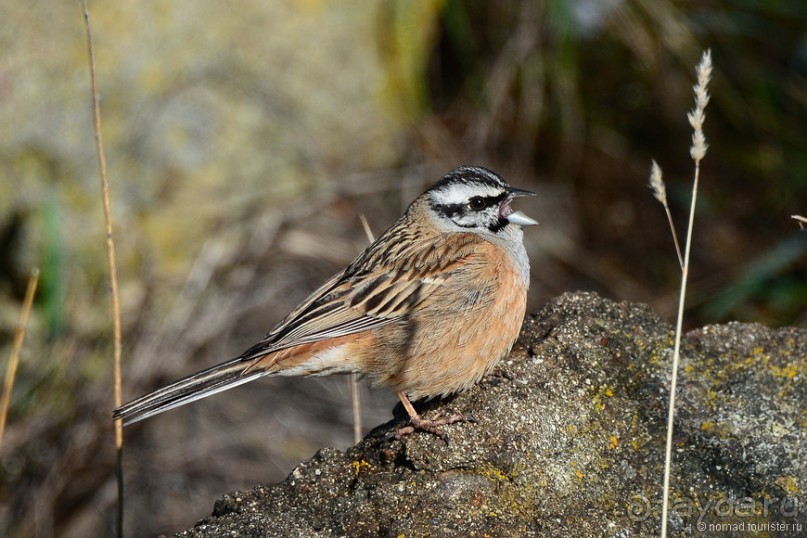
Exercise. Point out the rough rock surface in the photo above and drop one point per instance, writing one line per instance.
(570, 442)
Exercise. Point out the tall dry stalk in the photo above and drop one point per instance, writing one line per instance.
(14, 358)
(354, 378)
(697, 151)
(113, 271)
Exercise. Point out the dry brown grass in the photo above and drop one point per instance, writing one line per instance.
(14, 358)
(112, 265)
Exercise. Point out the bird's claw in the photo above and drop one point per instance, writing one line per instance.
(417, 424)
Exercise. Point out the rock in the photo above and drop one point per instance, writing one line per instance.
(570, 441)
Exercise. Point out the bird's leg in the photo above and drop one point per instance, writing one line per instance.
(416, 423)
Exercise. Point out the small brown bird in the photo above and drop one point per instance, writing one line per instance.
(426, 310)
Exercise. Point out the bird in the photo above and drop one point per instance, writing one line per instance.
(426, 310)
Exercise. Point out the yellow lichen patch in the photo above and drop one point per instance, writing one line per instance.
(708, 426)
(357, 465)
(688, 369)
(787, 483)
(495, 474)
(613, 442)
(599, 398)
(572, 429)
(757, 356)
(577, 472)
(790, 371)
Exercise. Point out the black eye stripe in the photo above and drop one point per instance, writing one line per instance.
(449, 210)
(490, 201)
(454, 210)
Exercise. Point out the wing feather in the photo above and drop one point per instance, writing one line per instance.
(370, 295)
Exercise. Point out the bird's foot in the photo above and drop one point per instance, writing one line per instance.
(417, 424)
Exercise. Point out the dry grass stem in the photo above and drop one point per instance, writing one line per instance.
(111, 260)
(355, 398)
(698, 151)
(14, 358)
(801, 220)
(354, 378)
(367, 231)
(660, 192)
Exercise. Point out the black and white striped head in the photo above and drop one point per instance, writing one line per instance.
(476, 199)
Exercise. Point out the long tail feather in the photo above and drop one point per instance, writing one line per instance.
(195, 387)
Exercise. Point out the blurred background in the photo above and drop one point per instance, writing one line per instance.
(245, 140)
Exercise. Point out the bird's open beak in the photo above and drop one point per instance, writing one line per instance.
(516, 217)
(515, 193)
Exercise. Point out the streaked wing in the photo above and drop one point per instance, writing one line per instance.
(369, 295)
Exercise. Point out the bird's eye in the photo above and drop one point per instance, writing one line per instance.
(477, 203)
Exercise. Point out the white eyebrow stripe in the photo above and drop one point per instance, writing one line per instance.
(460, 193)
